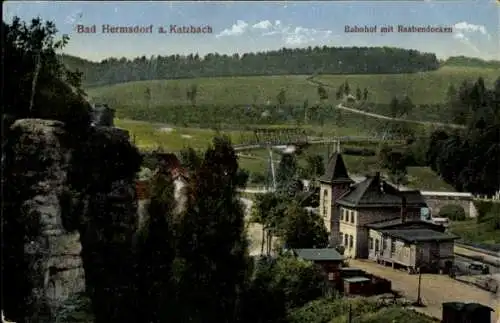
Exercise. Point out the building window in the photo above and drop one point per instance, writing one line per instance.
(376, 245)
(342, 214)
(393, 247)
(351, 241)
(352, 216)
(370, 240)
(384, 244)
(325, 201)
(341, 235)
(346, 237)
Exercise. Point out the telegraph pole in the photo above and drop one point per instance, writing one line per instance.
(419, 290)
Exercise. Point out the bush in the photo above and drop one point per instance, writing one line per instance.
(452, 212)
(483, 209)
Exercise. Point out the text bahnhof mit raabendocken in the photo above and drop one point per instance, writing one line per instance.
(397, 29)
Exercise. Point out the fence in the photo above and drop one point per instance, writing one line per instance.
(495, 198)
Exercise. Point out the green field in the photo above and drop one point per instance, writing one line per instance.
(423, 88)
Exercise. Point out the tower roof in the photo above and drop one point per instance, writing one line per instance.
(336, 171)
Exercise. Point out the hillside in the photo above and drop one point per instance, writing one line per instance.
(242, 100)
(297, 61)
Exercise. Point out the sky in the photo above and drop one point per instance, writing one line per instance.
(240, 27)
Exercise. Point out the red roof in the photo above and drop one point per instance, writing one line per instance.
(170, 162)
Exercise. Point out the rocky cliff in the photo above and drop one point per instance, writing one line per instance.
(69, 203)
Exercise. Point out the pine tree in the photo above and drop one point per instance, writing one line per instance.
(359, 95)
(155, 254)
(287, 170)
(213, 246)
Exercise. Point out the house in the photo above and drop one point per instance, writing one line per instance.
(357, 215)
(328, 258)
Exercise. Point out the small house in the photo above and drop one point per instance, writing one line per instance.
(358, 285)
(412, 245)
(329, 259)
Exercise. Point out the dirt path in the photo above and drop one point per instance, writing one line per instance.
(435, 289)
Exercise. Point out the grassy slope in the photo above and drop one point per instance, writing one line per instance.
(428, 87)
(422, 88)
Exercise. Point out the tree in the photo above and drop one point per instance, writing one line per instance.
(287, 170)
(280, 285)
(267, 213)
(34, 73)
(190, 159)
(302, 229)
(394, 108)
(347, 89)
(396, 162)
(305, 106)
(359, 95)
(315, 166)
(365, 94)
(281, 97)
(340, 92)
(451, 93)
(212, 253)
(147, 94)
(192, 93)
(453, 212)
(322, 93)
(156, 252)
(406, 106)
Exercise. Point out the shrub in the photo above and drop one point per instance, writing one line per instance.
(452, 212)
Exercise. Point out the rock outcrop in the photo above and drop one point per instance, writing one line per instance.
(59, 196)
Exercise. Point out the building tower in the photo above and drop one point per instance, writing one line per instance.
(333, 184)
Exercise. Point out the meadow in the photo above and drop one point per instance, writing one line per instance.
(151, 136)
(423, 88)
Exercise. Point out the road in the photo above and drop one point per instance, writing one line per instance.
(460, 252)
(254, 230)
(435, 289)
(380, 116)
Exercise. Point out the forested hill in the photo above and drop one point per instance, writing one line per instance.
(303, 61)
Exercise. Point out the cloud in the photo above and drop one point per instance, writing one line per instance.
(264, 24)
(290, 35)
(237, 29)
(463, 31)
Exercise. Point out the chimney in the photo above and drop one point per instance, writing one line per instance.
(403, 209)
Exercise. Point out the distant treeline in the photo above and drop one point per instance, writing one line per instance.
(299, 61)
